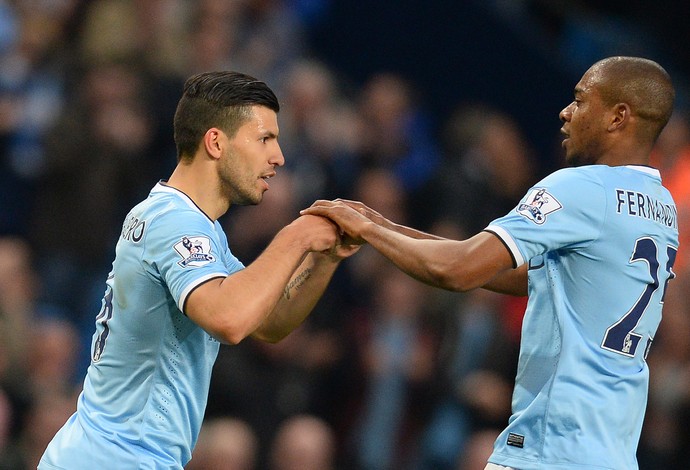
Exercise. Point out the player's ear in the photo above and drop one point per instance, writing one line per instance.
(620, 116)
(213, 141)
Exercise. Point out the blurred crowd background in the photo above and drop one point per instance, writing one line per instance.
(439, 114)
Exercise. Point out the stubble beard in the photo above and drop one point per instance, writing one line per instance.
(240, 194)
(574, 161)
(579, 159)
(237, 189)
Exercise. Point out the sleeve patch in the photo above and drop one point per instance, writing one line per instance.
(195, 252)
(538, 204)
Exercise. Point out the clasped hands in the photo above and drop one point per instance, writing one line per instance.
(350, 216)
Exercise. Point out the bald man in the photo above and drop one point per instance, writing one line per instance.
(593, 247)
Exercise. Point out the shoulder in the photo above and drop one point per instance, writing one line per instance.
(572, 183)
(581, 184)
(169, 209)
(165, 218)
(588, 175)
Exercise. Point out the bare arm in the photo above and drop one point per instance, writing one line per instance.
(511, 282)
(243, 303)
(458, 265)
(301, 293)
(378, 219)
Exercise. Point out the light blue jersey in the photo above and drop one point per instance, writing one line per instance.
(600, 242)
(146, 389)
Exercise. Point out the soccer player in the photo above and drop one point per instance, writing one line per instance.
(176, 291)
(593, 247)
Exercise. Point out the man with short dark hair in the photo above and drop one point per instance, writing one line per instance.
(176, 291)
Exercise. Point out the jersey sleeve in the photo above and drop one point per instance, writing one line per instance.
(565, 210)
(184, 250)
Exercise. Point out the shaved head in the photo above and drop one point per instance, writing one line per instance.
(642, 84)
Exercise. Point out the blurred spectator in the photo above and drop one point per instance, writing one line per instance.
(665, 437)
(271, 39)
(478, 364)
(100, 164)
(303, 442)
(478, 449)
(5, 421)
(38, 359)
(378, 188)
(264, 385)
(111, 31)
(22, 314)
(398, 357)
(244, 35)
(578, 33)
(54, 347)
(43, 419)
(225, 443)
(488, 166)
(395, 132)
(10, 455)
(308, 371)
(318, 133)
(32, 74)
(154, 31)
(18, 290)
(213, 39)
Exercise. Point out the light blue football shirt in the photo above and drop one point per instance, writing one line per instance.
(146, 388)
(600, 242)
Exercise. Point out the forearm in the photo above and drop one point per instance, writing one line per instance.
(410, 232)
(444, 263)
(457, 265)
(299, 297)
(415, 255)
(511, 282)
(234, 307)
(247, 297)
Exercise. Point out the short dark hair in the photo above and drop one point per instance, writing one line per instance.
(217, 99)
(641, 83)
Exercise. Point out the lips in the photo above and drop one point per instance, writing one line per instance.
(565, 135)
(266, 177)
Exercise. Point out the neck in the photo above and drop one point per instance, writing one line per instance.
(626, 152)
(199, 182)
(642, 160)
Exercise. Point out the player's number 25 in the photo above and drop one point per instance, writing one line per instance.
(620, 337)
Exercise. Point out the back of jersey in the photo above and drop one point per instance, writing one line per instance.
(600, 242)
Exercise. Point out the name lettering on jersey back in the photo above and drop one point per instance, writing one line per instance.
(133, 229)
(636, 204)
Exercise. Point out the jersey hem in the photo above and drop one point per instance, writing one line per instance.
(521, 464)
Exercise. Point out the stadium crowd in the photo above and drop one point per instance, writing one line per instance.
(386, 373)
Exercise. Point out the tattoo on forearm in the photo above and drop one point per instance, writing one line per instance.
(296, 283)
